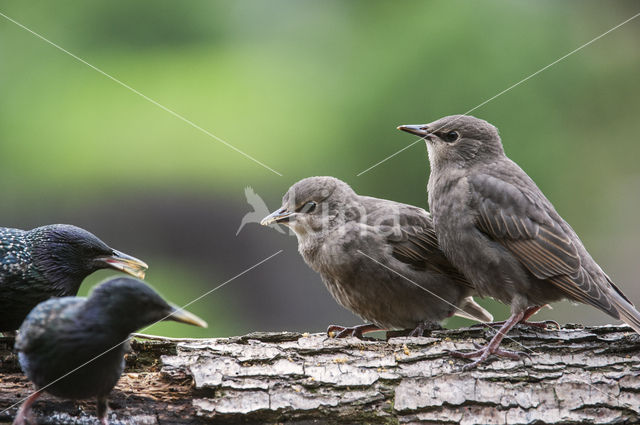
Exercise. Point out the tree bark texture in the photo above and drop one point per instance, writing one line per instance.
(574, 375)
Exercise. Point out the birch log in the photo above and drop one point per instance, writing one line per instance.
(574, 375)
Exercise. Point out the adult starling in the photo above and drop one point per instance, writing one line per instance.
(50, 261)
(378, 258)
(497, 227)
(74, 347)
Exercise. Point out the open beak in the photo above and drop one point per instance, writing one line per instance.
(417, 129)
(278, 216)
(183, 316)
(125, 263)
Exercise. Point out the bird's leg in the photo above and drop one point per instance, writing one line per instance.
(533, 310)
(24, 413)
(527, 314)
(101, 404)
(335, 331)
(493, 346)
(423, 328)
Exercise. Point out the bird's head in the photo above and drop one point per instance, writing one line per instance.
(127, 304)
(65, 253)
(458, 140)
(312, 205)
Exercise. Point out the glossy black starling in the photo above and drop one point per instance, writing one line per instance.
(74, 347)
(497, 227)
(50, 261)
(378, 258)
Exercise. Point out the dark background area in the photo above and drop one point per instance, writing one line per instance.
(307, 88)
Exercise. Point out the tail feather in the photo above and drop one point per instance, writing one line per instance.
(469, 309)
(627, 312)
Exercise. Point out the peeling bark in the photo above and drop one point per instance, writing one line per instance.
(575, 375)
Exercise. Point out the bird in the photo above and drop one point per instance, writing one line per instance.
(74, 347)
(259, 210)
(497, 227)
(51, 261)
(378, 258)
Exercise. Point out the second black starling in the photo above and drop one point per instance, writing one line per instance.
(51, 261)
(74, 347)
(378, 258)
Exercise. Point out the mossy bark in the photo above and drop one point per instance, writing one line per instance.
(574, 375)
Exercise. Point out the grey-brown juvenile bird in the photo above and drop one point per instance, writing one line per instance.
(497, 228)
(74, 347)
(378, 258)
(51, 261)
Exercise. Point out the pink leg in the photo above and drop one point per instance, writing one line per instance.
(102, 410)
(357, 331)
(494, 345)
(527, 314)
(24, 413)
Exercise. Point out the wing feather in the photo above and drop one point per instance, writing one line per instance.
(418, 247)
(536, 238)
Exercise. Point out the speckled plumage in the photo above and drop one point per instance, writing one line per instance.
(378, 258)
(48, 261)
(88, 334)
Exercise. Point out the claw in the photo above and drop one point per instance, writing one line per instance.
(336, 331)
(482, 353)
(424, 327)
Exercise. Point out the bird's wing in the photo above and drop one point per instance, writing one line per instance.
(14, 256)
(52, 313)
(416, 245)
(527, 225)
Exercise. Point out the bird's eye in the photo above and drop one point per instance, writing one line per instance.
(307, 208)
(451, 136)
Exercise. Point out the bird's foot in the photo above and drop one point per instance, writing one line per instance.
(336, 331)
(482, 353)
(425, 328)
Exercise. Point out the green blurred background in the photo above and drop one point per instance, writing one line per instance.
(308, 88)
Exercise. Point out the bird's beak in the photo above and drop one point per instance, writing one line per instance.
(417, 129)
(278, 216)
(125, 263)
(183, 316)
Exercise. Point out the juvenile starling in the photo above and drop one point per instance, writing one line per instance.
(50, 261)
(74, 347)
(378, 258)
(497, 227)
